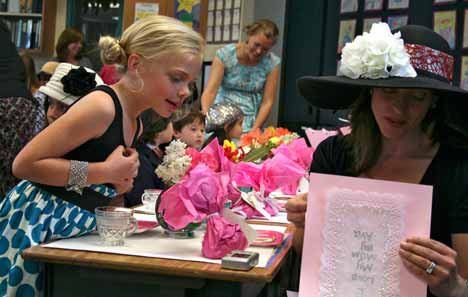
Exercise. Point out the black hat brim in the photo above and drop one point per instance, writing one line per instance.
(339, 92)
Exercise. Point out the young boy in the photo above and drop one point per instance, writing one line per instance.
(189, 127)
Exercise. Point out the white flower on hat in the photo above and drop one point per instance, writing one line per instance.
(377, 54)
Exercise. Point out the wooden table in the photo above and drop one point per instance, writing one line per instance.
(87, 274)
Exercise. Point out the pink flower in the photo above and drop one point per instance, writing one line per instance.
(177, 211)
(205, 189)
(222, 237)
(247, 174)
(280, 172)
(297, 151)
(201, 157)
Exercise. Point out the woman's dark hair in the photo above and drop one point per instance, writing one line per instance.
(365, 140)
(67, 37)
(31, 78)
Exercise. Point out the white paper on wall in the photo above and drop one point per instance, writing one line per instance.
(217, 34)
(236, 16)
(218, 18)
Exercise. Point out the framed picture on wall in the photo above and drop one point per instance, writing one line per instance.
(347, 31)
(398, 4)
(465, 31)
(395, 21)
(464, 73)
(367, 23)
(445, 24)
(370, 5)
(348, 6)
(438, 2)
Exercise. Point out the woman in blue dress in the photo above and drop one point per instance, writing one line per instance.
(91, 144)
(246, 74)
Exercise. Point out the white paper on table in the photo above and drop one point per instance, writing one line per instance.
(146, 208)
(145, 217)
(218, 18)
(227, 4)
(155, 244)
(217, 34)
(236, 16)
(281, 217)
(210, 18)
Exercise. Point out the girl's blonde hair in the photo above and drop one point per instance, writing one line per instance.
(150, 38)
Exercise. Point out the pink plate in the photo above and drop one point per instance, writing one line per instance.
(268, 238)
(144, 226)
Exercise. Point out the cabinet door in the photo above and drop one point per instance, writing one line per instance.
(133, 9)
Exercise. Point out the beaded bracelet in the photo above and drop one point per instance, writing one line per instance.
(77, 176)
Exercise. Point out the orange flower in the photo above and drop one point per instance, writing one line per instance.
(248, 138)
(282, 132)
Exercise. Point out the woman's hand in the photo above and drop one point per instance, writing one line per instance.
(296, 208)
(122, 166)
(418, 254)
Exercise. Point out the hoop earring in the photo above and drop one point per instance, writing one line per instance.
(138, 89)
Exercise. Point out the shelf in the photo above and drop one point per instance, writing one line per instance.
(21, 14)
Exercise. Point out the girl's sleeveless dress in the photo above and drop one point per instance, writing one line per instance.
(33, 213)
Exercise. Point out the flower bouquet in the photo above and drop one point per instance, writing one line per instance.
(257, 145)
(283, 172)
(202, 184)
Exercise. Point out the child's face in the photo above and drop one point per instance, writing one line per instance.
(192, 134)
(164, 136)
(236, 130)
(166, 81)
(55, 110)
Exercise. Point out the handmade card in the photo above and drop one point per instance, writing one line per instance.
(465, 30)
(348, 6)
(347, 31)
(396, 21)
(445, 24)
(354, 229)
(373, 5)
(398, 4)
(368, 22)
(464, 73)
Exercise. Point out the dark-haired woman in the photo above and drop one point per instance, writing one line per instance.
(405, 128)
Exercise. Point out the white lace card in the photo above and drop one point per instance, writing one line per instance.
(361, 237)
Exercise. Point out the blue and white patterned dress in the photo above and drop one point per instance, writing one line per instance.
(243, 85)
(32, 214)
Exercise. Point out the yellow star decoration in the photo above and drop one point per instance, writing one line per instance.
(187, 5)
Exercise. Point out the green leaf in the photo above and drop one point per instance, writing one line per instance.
(257, 154)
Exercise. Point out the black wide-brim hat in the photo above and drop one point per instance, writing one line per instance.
(339, 92)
